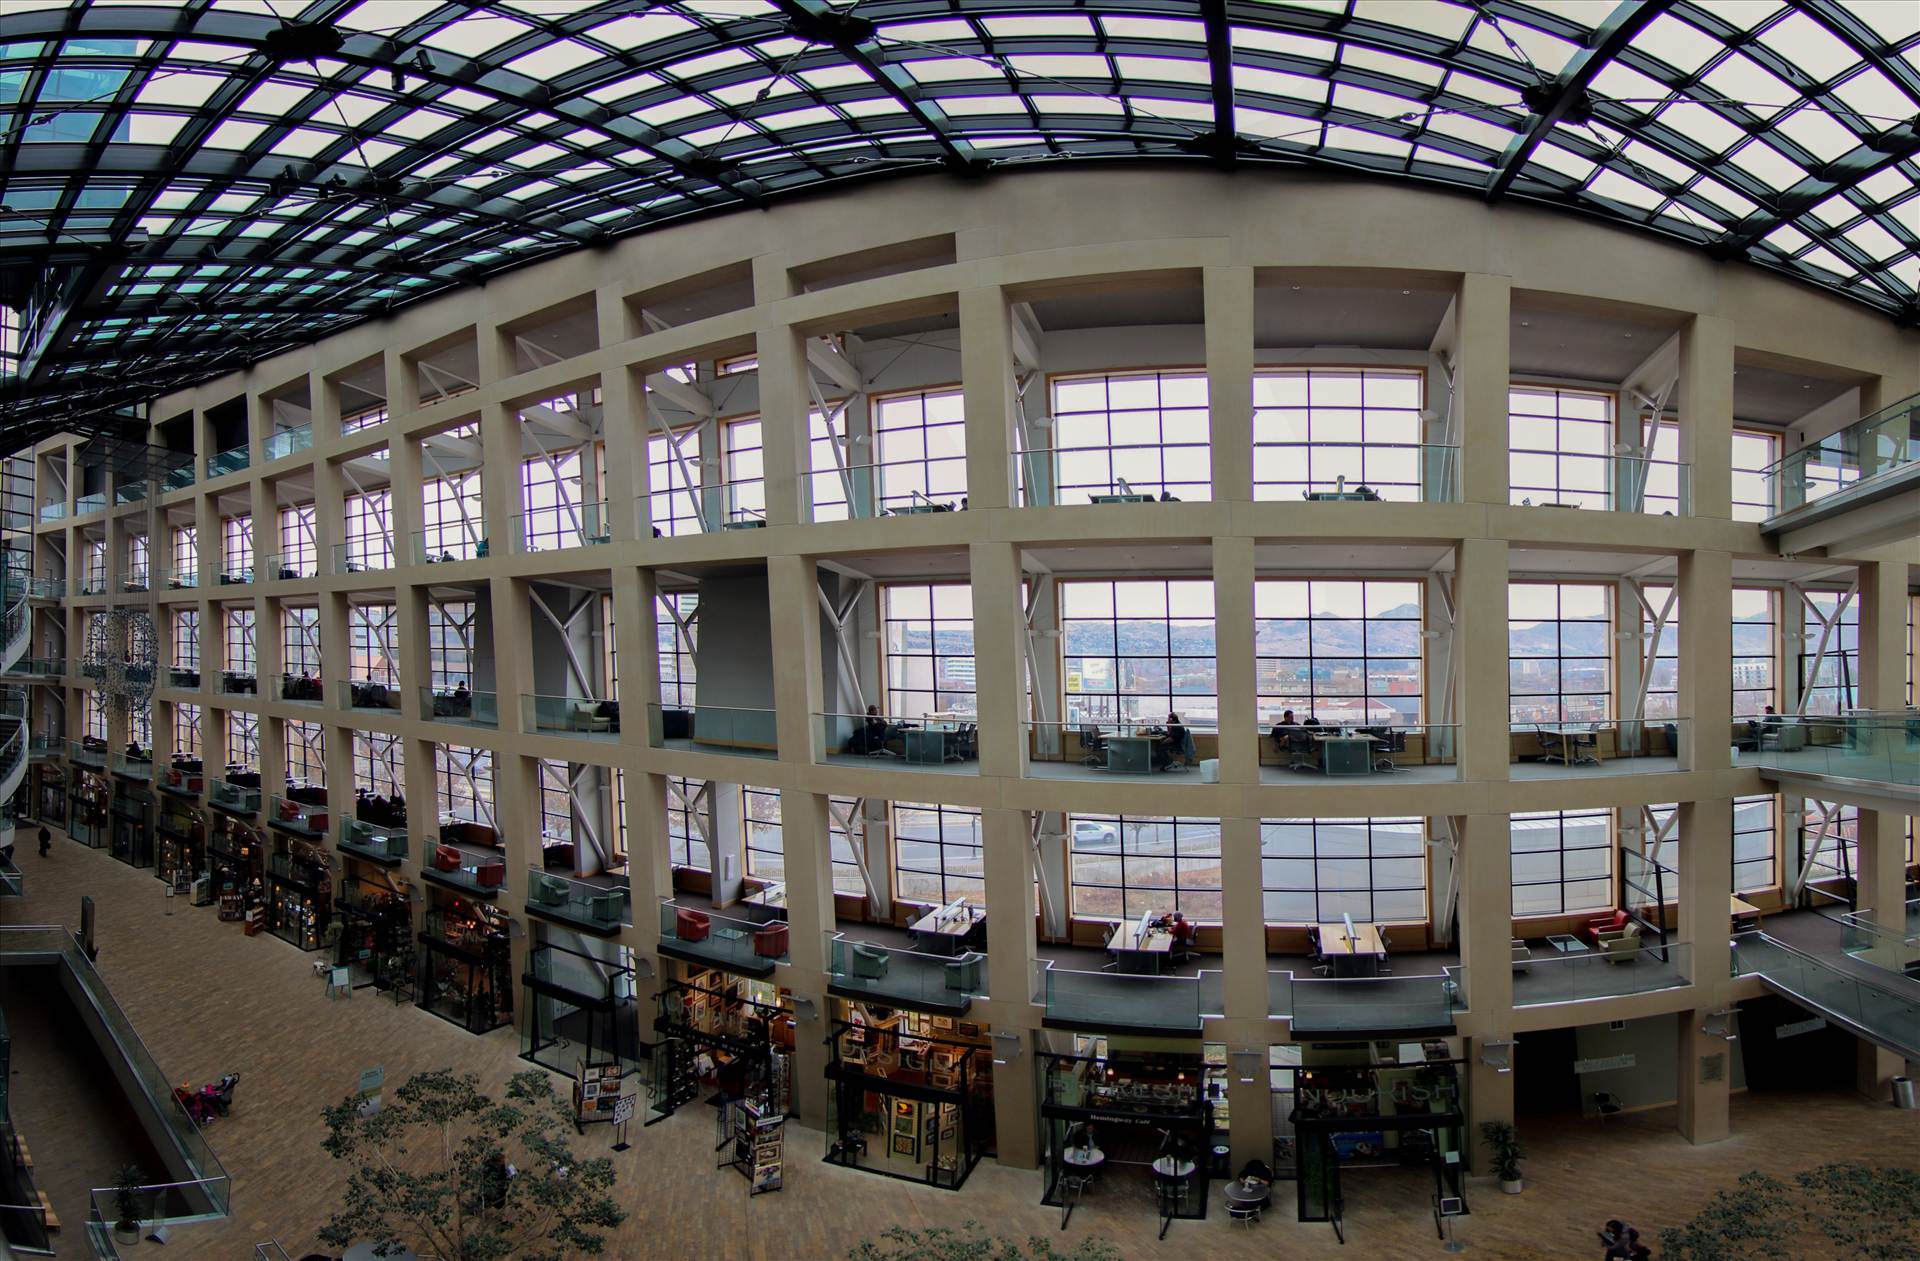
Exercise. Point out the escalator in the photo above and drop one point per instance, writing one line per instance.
(1883, 1008)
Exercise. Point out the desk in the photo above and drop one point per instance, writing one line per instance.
(1359, 955)
(948, 925)
(1121, 499)
(1145, 953)
(1364, 494)
(1739, 910)
(1345, 755)
(924, 746)
(1130, 755)
(1084, 1157)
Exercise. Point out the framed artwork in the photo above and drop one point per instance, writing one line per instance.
(590, 1090)
(904, 1145)
(968, 1030)
(947, 1132)
(943, 1022)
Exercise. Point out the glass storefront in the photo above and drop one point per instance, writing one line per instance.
(727, 1034)
(376, 929)
(912, 1094)
(580, 1005)
(464, 970)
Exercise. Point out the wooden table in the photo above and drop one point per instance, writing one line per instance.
(1358, 956)
(1150, 950)
(1570, 738)
(1739, 910)
(948, 924)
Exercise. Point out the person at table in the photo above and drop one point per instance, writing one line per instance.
(1172, 743)
(1285, 729)
(872, 735)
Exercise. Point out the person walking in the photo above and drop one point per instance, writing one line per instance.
(1619, 1240)
(46, 841)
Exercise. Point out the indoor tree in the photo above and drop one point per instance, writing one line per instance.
(1843, 1211)
(452, 1172)
(970, 1242)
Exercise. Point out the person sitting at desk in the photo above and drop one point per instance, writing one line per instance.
(871, 736)
(1173, 742)
(1284, 730)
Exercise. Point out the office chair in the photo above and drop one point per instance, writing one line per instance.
(1300, 752)
(1093, 746)
(1391, 742)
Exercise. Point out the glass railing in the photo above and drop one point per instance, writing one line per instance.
(477, 709)
(96, 502)
(81, 753)
(93, 584)
(1887, 440)
(239, 798)
(443, 544)
(1125, 474)
(46, 588)
(1600, 483)
(552, 529)
(239, 682)
(1348, 744)
(905, 976)
(1896, 948)
(864, 491)
(368, 694)
(571, 715)
(1881, 747)
(362, 556)
(372, 840)
(285, 442)
(233, 573)
(134, 580)
(479, 872)
(304, 817)
(46, 746)
(1092, 748)
(713, 729)
(1890, 1017)
(129, 492)
(232, 460)
(710, 937)
(1356, 472)
(132, 767)
(53, 512)
(40, 667)
(178, 479)
(1122, 1001)
(181, 579)
(183, 676)
(1572, 745)
(288, 565)
(893, 739)
(582, 902)
(300, 689)
(1585, 970)
(1319, 1006)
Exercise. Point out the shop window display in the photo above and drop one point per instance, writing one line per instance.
(376, 930)
(239, 869)
(580, 1004)
(88, 821)
(464, 973)
(181, 850)
(1140, 1119)
(300, 901)
(132, 825)
(912, 1094)
(724, 1033)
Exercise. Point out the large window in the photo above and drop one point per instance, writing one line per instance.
(450, 643)
(96, 715)
(306, 752)
(186, 639)
(371, 634)
(921, 446)
(1560, 443)
(766, 844)
(186, 729)
(369, 532)
(138, 560)
(673, 498)
(1559, 652)
(1343, 651)
(1314, 426)
(1756, 639)
(1313, 871)
(300, 642)
(367, 418)
(1831, 688)
(929, 647)
(298, 551)
(1124, 865)
(1144, 431)
(937, 854)
(379, 763)
(236, 541)
(1830, 841)
(551, 499)
(463, 782)
(239, 641)
(95, 572)
(243, 740)
(1136, 651)
(186, 555)
(846, 862)
(689, 814)
(1562, 862)
(556, 799)
(827, 488)
(1753, 451)
(451, 519)
(675, 622)
(1663, 682)
(1756, 843)
(745, 469)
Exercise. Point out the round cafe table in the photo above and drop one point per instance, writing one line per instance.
(1173, 1167)
(1084, 1157)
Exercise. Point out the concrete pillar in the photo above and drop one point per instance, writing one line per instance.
(1233, 613)
(1706, 413)
(809, 869)
(1483, 870)
(1705, 838)
(1875, 1067)
(1243, 939)
(1227, 297)
(1880, 882)
(1883, 631)
(1704, 1076)
(1480, 641)
(501, 456)
(1483, 313)
(986, 384)
(999, 647)
(1492, 1061)
(1006, 838)
(785, 404)
(512, 612)
(623, 428)
(793, 585)
(1706, 646)
(1016, 1107)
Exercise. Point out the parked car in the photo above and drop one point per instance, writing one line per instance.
(1091, 835)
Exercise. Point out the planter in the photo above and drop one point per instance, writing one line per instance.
(126, 1234)
(1513, 1187)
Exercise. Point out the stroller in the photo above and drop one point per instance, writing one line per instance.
(215, 1099)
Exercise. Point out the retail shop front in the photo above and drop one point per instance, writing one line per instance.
(464, 970)
(912, 1093)
(374, 908)
(50, 793)
(87, 808)
(132, 838)
(580, 1008)
(720, 1032)
(180, 850)
(237, 858)
(300, 894)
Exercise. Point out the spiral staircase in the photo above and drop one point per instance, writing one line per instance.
(16, 628)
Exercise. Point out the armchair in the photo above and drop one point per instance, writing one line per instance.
(691, 925)
(584, 716)
(547, 891)
(770, 942)
(963, 974)
(1622, 947)
(870, 963)
(446, 858)
(1612, 923)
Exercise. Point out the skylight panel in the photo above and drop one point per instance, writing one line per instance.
(1154, 28)
(1644, 154)
(672, 111)
(1004, 142)
(1702, 125)
(1074, 103)
(1398, 67)
(926, 32)
(1895, 23)
(1275, 126)
(1360, 140)
(796, 118)
(1062, 66)
(1626, 190)
(1308, 46)
(556, 58)
(1907, 272)
(1878, 101)
(1564, 161)
(1767, 164)
(834, 77)
(193, 50)
(233, 134)
(1053, 24)
(1445, 21)
(1155, 107)
(1725, 198)
(1473, 86)
(1825, 259)
(385, 16)
(725, 59)
(142, 128)
(632, 85)
(1546, 53)
(1835, 211)
(419, 124)
(1165, 69)
(1787, 239)
(872, 106)
(349, 109)
(1641, 93)
(728, 10)
(1810, 46)
(1427, 153)
(537, 154)
(178, 88)
(1885, 186)
(1681, 45)
(1279, 83)
(1744, 14)
(1367, 101)
(273, 98)
(1874, 241)
(1470, 128)
(473, 35)
(461, 98)
(948, 69)
(1741, 79)
(1814, 130)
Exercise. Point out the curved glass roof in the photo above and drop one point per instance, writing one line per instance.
(216, 180)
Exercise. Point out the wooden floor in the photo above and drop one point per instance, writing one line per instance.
(208, 1000)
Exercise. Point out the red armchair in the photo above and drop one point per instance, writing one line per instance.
(490, 875)
(1611, 923)
(770, 941)
(446, 858)
(691, 925)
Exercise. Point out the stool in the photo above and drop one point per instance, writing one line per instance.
(1248, 1213)
(320, 967)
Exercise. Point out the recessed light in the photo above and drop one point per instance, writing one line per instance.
(1628, 336)
(1526, 323)
(1405, 292)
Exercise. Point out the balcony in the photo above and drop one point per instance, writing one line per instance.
(562, 527)
(1346, 746)
(140, 768)
(96, 502)
(182, 579)
(232, 460)
(285, 442)
(134, 582)
(1571, 971)
(1842, 463)
(586, 716)
(1356, 472)
(179, 479)
(870, 972)
(369, 694)
(599, 904)
(444, 544)
(242, 799)
(287, 566)
(41, 747)
(1600, 483)
(1867, 747)
(713, 729)
(40, 667)
(183, 677)
(93, 584)
(183, 779)
(1620, 746)
(239, 683)
(461, 705)
(46, 588)
(478, 873)
(234, 573)
(53, 512)
(1126, 1003)
(1351, 1008)
(129, 492)
(743, 946)
(87, 752)
(300, 689)
(861, 492)
(361, 556)
(302, 818)
(921, 742)
(1124, 474)
(1131, 748)
(373, 842)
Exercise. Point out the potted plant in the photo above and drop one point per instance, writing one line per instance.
(1503, 1143)
(126, 1203)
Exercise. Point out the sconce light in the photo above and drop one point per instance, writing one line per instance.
(1720, 1024)
(804, 1008)
(1497, 1055)
(643, 968)
(1246, 1064)
(1006, 1047)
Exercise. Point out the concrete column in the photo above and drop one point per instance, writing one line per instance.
(1016, 1107)
(999, 647)
(1880, 883)
(1883, 632)
(793, 584)
(1233, 585)
(1480, 640)
(635, 606)
(1706, 413)
(1705, 837)
(1704, 1075)
(1006, 838)
(785, 405)
(512, 611)
(1250, 1098)
(623, 429)
(649, 865)
(336, 661)
(803, 834)
(411, 642)
(1489, 1093)
(516, 804)
(729, 842)
(423, 804)
(1483, 313)
(1227, 297)
(407, 510)
(502, 456)
(1483, 870)
(1706, 646)
(1243, 934)
(1875, 1067)
(986, 385)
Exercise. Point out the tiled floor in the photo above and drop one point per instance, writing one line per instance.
(208, 1000)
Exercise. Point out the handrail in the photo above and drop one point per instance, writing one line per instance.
(1907, 1044)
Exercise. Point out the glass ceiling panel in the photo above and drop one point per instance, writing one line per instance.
(317, 161)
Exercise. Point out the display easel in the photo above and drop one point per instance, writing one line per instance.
(759, 1146)
(596, 1093)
